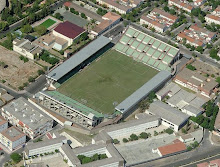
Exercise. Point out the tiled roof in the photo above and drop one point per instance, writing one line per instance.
(69, 30)
(176, 146)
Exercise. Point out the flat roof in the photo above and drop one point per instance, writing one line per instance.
(167, 112)
(143, 92)
(27, 113)
(37, 145)
(13, 133)
(78, 58)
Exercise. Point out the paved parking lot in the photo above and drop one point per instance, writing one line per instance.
(55, 160)
(141, 150)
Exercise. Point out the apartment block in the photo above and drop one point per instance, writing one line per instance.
(158, 19)
(12, 138)
(46, 146)
(110, 19)
(196, 36)
(3, 124)
(181, 4)
(121, 6)
(214, 17)
(27, 117)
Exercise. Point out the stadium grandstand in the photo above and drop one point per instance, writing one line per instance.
(78, 58)
(147, 49)
(127, 106)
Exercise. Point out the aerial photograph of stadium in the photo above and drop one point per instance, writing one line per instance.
(109, 83)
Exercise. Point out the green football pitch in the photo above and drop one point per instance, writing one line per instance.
(48, 23)
(110, 78)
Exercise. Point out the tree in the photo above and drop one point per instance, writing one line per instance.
(58, 16)
(16, 157)
(143, 135)
(169, 131)
(184, 130)
(166, 9)
(83, 16)
(172, 11)
(27, 28)
(40, 30)
(190, 67)
(199, 49)
(133, 137)
(116, 141)
(218, 80)
(86, 160)
(125, 140)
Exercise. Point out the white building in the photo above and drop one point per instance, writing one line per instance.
(158, 19)
(170, 116)
(133, 126)
(214, 17)
(110, 19)
(27, 117)
(3, 124)
(68, 31)
(12, 138)
(26, 48)
(181, 4)
(113, 158)
(46, 146)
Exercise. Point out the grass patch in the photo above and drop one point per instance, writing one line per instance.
(48, 23)
(112, 77)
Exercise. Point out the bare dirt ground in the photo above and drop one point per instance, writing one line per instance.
(17, 72)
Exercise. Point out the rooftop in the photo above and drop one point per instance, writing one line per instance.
(13, 133)
(112, 153)
(174, 147)
(160, 18)
(194, 77)
(2, 120)
(78, 58)
(171, 88)
(143, 91)
(37, 145)
(198, 36)
(69, 30)
(167, 112)
(27, 113)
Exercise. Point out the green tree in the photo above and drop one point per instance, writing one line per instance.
(133, 137)
(125, 140)
(116, 141)
(27, 28)
(199, 49)
(143, 135)
(16, 157)
(40, 30)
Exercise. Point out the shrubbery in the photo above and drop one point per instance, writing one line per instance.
(84, 159)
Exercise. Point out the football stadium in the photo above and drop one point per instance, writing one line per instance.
(101, 81)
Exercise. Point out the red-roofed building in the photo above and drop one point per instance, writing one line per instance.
(181, 4)
(196, 36)
(174, 147)
(110, 19)
(214, 17)
(158, 19)
(68, 31)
